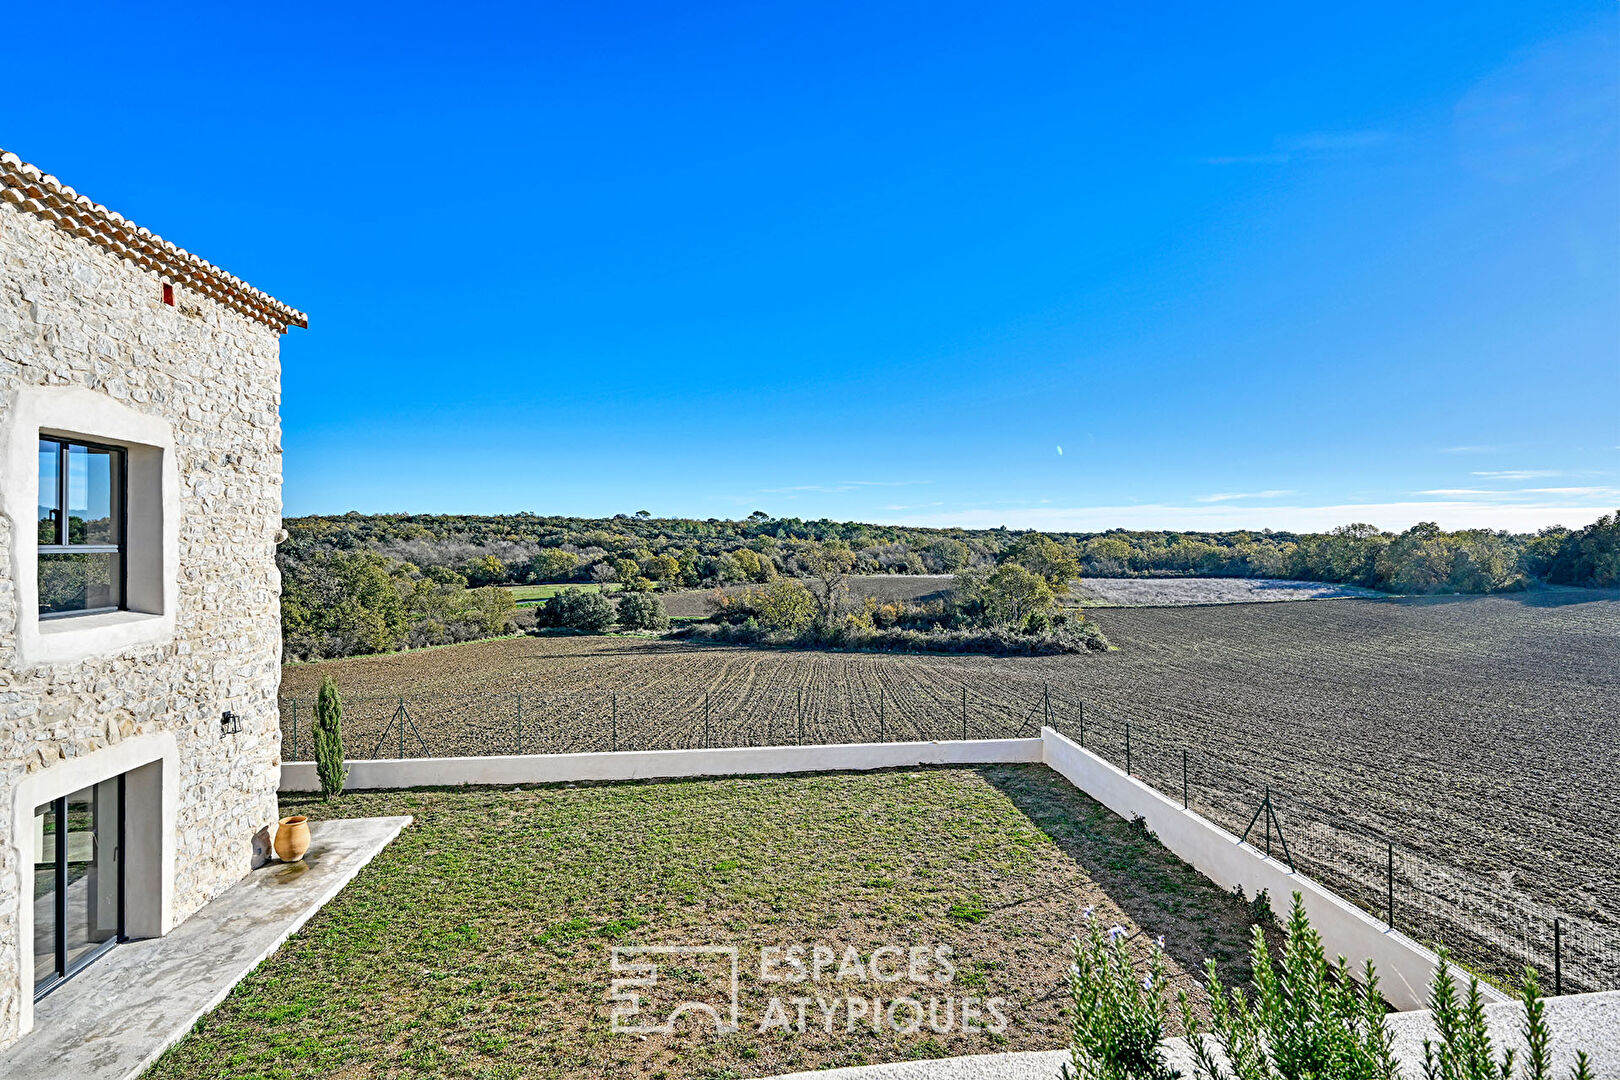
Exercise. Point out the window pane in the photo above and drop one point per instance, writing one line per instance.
(78, 582)
(92, 880)
(49, 490)
(92, 495)
(45, 886)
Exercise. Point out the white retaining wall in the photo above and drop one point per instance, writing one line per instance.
(665, 764)
(1404, 967)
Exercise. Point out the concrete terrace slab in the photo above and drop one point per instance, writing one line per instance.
(114, 1019)
(1025, 1065)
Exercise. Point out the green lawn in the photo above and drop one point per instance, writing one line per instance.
(476, 945)
(528, 594)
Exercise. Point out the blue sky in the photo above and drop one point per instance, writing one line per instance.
(1053, 265)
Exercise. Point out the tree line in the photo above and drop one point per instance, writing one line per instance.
(358, 583)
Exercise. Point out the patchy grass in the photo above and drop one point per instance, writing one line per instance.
(477, 944)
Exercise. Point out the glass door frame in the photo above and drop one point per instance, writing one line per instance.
(64, 971)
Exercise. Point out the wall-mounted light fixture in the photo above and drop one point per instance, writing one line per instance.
(229, 723)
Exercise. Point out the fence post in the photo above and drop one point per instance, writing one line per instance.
(520, 724)
(615, 723)
(1267, 806)
(1184, 779)
(882, 735)
(705, 719)
(964, 712)
(295, 731)
(1390, 883)
(1558, 957)
(1046, 693)
(402, 729)
(1082, 725)
(801, 716)
(1128, 748)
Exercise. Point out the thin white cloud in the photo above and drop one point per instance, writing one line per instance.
(1467, 449)
(1516, 494)
(1518, 474)
(1456, 513)
(1228, 496)
(1593, 492)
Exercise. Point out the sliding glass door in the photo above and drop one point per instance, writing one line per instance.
(78, 880)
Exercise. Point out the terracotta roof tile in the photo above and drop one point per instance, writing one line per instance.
(24, 186)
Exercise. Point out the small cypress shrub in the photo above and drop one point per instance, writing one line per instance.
(328, 731)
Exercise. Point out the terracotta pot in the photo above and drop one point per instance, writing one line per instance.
(292, 838)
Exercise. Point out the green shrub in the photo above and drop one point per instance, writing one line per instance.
(1117, 1017)
(784, 604)
(1302, 1019)
(1260, 913)
(642, 611)
(1070, 637)
(1464, 1051)
(328, 733)
(1305, 1016)
(576, 609)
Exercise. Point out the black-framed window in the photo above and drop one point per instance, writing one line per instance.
(82, 519)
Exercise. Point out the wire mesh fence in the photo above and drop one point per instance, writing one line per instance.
(455, 726)
(1487, 924)
(1366, 853)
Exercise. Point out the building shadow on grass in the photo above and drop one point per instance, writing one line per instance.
(1157, 892)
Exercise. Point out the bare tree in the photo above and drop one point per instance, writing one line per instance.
(829, 566)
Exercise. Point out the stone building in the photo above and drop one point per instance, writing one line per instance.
(140, 504)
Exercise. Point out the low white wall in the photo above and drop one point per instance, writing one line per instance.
(1404, 966)
(664, 764)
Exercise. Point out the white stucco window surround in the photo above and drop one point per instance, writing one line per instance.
(152, 529)
(150, 765)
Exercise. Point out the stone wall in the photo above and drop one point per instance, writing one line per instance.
(72, 313)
